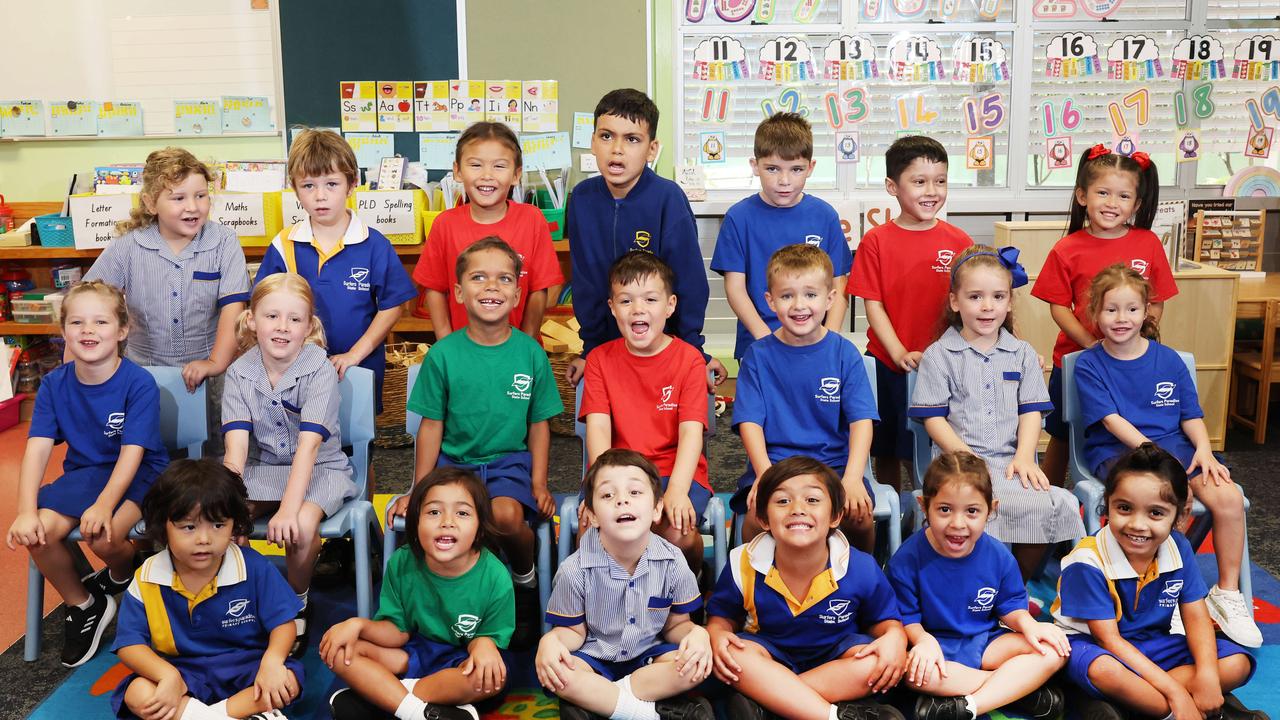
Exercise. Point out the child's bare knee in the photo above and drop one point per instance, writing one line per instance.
(508, 514)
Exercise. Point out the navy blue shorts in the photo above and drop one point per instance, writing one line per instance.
(815, 657)
(211, 679)
(77, 489)
(1055, 423)
(738, 502)
(891, 437)
(1166, 651)
(509, 476)
(968, 651)
(698, 496)
(617, 669)
(428, 657)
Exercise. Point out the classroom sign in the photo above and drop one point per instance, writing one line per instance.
(21, 118)
(197, 117)
(119, 119)
(242, 212)
(94, 218)
(390, 212)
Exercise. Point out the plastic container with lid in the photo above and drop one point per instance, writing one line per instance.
(16, 279)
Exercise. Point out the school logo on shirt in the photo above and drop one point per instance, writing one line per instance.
(642, 239)
(830, 390)
(983, 600)
(520, 385)
(1140, 265)
(837, 612)
(115, 424)
(664, 399)
(1164, 394)
(465, 626)
(1169, 596)
(814, 240)
(942, 263)
(238, 613)
(358, 280)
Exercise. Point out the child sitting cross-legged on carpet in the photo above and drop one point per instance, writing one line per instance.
(446, 614)
(206, 625)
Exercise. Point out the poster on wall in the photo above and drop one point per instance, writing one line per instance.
(358, 104)
(1198, 57)
(915, 58)
(850, 57)
(1072, 55)
(21, 118)
(1256, 58)
(979, 60)
(720, 58)
(786, 59)
(1134, 57)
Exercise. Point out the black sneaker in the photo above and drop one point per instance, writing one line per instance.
(445, 712)
(685, 708)
(569, 711)
(742, 707)
(268, 715)
(101, 582)
(1095, 709)
(931, 707)
(867, 710)
(82, 629)
(1043, 704)
(1233, 709)
(347, 704)
(528, 618)
(301, 622)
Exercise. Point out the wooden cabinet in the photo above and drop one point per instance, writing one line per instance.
(1200, 319)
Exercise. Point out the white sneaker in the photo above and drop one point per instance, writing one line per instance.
(1175, 623)
(1233, 616)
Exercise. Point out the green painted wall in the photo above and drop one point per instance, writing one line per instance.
(40, 171)
(590, 46)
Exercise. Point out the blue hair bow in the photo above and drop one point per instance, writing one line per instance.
(1008, 257)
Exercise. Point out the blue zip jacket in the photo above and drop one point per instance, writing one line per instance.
(655, 217)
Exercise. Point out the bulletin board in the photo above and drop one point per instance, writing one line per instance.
(1196, 85)
(1230, 239)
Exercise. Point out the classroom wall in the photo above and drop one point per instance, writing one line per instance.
(40, 171)
(591, 47)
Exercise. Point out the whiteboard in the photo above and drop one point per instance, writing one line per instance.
(149, 51)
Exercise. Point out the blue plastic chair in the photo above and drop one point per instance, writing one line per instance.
(713, 520)
(888, 504)
(1089, 489)
(183, 426)
(395, 525)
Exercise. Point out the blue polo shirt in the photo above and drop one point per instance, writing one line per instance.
(625, 613)
(804, 397)
(753, 230)
(363, 277)
(849, 597)
(237, 611)
(1099, 583)
(1155, 392)
(956, 597)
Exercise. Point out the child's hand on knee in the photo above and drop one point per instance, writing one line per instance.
(485, 667)
(694, 658)
(96, 521)
(679, 511)
(890, 650)
(925, 661)
(857, 504)
(725, 664)
(338, 645)
(163, 704)
(283, 528)
(26, 530)
(274, 684)
(1047, 638)
(552, 663)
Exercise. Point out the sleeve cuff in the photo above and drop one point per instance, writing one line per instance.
(564, 620)
(685, 608)
(233, 298)
(1043, 406)
(316, 428)
(237, 425)
(928, 411)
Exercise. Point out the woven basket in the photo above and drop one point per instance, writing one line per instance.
(562, 424)
(395, 391)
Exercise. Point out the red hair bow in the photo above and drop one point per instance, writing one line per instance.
(1143, 159)
(1098, 151)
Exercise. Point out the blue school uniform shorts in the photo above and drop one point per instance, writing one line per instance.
(509, 476)
(891, 437)
(211, 679)
(428, 657)
(968, 651)
(1166, 651)
(1055, 423)
(815, 657)
(77, 489)
(615, 670)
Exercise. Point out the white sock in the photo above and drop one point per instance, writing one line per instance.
(629, 706)
(220, 707)
(409, 683)
(411, 708)
(525, 580)
(971, 705)
(831, 714)
(303, 597)
(196, 710)
(87, 603)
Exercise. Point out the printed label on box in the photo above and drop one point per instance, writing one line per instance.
(197, 117)
(242, 212)
(359, 106)
(390, 211)
(291, 211)
(94, 218)
(431, 106)
(466, 103)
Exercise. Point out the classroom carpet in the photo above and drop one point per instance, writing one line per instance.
(86, 691)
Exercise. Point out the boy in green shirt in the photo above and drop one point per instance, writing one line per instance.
(485, 396)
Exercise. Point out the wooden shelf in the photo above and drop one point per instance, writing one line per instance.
(17, 328)
(410, 323)
(38, 252)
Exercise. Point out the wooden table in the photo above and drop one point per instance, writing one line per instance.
(1251, 302)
